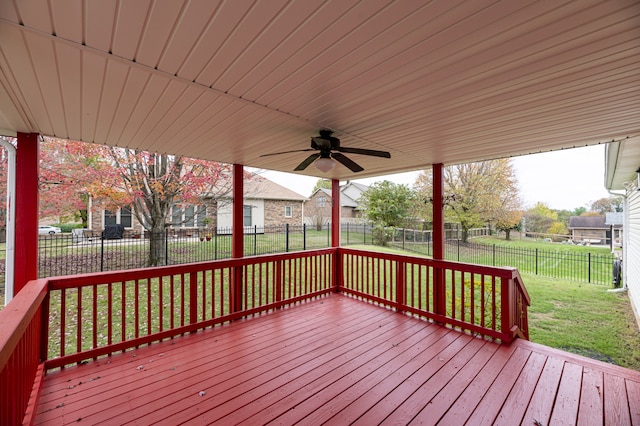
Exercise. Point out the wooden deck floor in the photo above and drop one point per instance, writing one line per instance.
(337, 360)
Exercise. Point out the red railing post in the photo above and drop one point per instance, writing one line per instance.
(44, 329)
(336, 270)
(193, 298)
(278, 281)
(506, 308)
(401, 286)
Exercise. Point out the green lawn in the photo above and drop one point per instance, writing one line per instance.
(583, 319)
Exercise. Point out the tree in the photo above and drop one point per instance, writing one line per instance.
(540, 218)
(475, 194)
(558, 228)
(153, 183)
(607, 205)
(66, 173)
(578, 211)
(321, 183)
(150, 184)
(387, 205)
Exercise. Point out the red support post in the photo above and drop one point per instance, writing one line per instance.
(439, 292)
(237, 237)
(335, 234)
(335, 213)
(237, 242)
(438, 212)
(26, 244)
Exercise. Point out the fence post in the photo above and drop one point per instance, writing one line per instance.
(304, 236)
(102, 251)
(458, 249)
(589, 268)
(494, 255)
(286, 238)
(215, 244)
(255, 240)
(404, 232)
(536, 261)
(328, 234)
(347, 233)
(166, 246)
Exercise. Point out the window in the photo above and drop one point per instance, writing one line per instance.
(201, 214)
(288, 211)
(110, 218)
(122, 216)
(188, 217)
(176, 216)
(126, 218)
(321, 201)
(247, 215)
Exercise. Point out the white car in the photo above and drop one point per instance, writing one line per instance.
(50, 230)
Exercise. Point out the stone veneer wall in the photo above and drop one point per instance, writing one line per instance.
(274, 212)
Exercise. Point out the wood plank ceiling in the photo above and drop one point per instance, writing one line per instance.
(430, 82)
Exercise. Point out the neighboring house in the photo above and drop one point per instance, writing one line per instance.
(621, 174)
(590, 229)
(265, 204)
(318, 208)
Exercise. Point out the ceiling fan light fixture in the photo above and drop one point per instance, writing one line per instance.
(325, 164)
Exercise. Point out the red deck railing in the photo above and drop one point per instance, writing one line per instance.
(485, 300)
(65, 320)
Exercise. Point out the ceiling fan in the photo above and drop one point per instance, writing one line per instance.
(329, 148)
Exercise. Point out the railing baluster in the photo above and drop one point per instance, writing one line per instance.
(94, 317)
(79, 321)
(149, 322)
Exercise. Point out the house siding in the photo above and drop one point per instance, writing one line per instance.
(631, 250)
(274, 212)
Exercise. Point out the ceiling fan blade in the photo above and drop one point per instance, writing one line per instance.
(347, 162)
(361, 151)
(287, 152)
(310, 159)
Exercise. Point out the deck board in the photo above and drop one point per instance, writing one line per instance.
(337, 360)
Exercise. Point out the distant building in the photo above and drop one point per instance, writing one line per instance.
(592, 229)
(318, 208)
(265, 204)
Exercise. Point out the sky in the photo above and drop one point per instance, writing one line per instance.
(562, 180)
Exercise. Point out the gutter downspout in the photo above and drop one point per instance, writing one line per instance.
(11, 221)
(612, 151)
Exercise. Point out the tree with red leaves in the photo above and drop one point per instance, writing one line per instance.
(149, 183)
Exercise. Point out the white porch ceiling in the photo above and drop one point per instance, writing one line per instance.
(430, 82)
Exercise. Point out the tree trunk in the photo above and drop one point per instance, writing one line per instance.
(465, 235)
(507, 234)
(157, 247)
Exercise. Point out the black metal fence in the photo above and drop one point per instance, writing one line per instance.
(86, 252)
(560, 263)
(64, 254)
